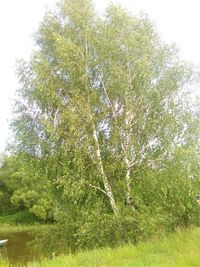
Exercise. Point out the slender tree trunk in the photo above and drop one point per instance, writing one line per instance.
(128, 181)
(107, 186)
(129, 117)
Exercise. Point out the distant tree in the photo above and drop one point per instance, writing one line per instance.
(23, 186)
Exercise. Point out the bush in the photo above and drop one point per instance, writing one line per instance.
(166, 203)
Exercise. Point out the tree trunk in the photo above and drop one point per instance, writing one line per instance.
(128, 181)
(107, 186)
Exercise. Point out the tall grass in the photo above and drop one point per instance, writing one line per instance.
(179, 249)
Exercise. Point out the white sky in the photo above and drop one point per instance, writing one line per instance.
(177, 21)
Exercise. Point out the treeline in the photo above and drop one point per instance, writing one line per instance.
(106, 131)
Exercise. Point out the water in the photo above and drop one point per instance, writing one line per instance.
(17, 250)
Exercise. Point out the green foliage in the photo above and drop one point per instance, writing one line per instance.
(170, 199)
(106, 130)
(8, 184)
(24, 190)
(21, 217)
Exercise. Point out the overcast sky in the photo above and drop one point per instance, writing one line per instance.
(177, 21)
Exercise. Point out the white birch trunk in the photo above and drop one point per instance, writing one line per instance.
(128, 181)
(107, 186)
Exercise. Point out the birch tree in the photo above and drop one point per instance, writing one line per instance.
(107, 86)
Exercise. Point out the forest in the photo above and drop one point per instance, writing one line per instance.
(106, 132)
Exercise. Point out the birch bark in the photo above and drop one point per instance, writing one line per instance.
(106, 183)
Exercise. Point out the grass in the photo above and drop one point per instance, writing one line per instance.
(179, 249)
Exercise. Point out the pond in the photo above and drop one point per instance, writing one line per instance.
(17, 250)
